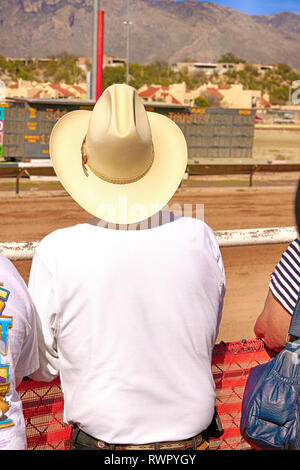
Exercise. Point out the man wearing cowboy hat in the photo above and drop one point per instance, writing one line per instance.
(128, 318)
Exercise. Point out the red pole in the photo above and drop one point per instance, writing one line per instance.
(100, 36)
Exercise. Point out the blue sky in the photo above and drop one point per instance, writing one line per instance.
(262, 7)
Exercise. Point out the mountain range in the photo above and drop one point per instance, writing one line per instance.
(161, 30)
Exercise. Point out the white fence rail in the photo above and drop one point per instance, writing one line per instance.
(18, 250)
(256, 236)
(259, 236)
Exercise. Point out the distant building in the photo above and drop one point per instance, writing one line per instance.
(193, 67)
(234, 96)
(111, 61)
(227, 96)
(26, 89)
(177, 93)
(31, 60)
(84, 63)
(209, 68)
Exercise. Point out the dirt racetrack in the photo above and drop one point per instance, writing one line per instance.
(32, 216)
(276, 143)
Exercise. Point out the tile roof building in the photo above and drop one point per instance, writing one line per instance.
(26, 89)
(227, 96)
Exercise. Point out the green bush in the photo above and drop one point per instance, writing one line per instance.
(230, 58)
(201, 102)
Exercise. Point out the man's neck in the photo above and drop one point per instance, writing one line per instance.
(160, 218)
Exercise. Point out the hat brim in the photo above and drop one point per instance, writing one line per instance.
(119, 203)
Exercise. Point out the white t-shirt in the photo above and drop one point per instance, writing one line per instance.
(18, 353)
(129, 320)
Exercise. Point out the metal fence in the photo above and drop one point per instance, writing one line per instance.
(257, 236)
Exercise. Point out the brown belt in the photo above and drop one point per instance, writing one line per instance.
(83, 439)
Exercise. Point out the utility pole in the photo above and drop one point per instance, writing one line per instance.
(127, 23)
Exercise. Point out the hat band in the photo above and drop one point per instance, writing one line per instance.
(108, 178)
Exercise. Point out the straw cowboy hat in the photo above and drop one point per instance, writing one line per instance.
(119, 162)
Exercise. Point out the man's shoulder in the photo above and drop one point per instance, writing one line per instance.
(6, 264)
(196, 224)
(190, 221)
(290, 258)
(60, 236)
(294, 248)
(8, 271)
(14, 291)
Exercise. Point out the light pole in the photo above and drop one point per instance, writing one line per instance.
(127, 22)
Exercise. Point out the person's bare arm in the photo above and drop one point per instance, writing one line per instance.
(273, 323)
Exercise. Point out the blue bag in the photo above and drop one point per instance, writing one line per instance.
(271, 407)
